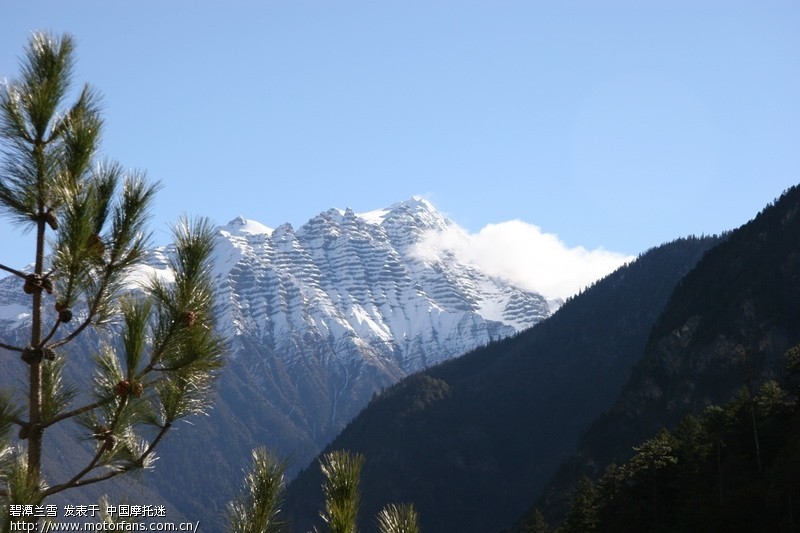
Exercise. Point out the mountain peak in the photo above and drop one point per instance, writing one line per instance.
(415, 212)
(241, 225)
(415, 204)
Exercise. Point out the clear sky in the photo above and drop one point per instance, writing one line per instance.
(615, 125)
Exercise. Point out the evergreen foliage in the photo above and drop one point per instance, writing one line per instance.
(258, 506)
(536, 523)
(398, 519)
(720, 337)
(582, 516)
(88, 219)
(705, 475)
(342, 471)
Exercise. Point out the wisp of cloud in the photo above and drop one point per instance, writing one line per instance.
(524, 255)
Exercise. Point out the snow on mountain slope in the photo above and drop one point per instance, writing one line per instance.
(352, 282)
(352, 286)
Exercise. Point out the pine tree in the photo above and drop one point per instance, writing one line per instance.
(536, 522)
(583, 512)
(88, 224)
(398, 519)
(258, 507)
(652, 456)
(792, 370)
(342, 472)
(716, 423)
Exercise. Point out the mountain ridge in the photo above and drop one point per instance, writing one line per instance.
(726, 326)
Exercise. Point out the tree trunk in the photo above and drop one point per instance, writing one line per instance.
(719, 471)
(35, 383)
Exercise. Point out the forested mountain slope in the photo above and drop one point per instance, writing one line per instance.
(726, 327)
(472, 441)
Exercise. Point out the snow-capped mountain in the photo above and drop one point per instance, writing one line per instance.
(354, 286)
(321, 317)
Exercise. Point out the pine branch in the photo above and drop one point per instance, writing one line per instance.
(55, 489)
(159, 351)
(76, 412)
(111, 269)
(93, 310)
(163, 431)
(11, 348)
(77, 477)
(257, 507)
(52, 333)
(13, 271)
(342, 471)
(398, 519)
(111, 473)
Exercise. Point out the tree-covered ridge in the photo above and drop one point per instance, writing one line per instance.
(728, 323)
(471, 441)
(734, 467)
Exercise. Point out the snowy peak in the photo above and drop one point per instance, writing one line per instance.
(405, 221)
(353, 285)
(242, 226)
(416, 212)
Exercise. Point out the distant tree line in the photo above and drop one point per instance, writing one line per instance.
(734, 467)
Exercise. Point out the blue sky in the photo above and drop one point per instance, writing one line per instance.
(615, 125)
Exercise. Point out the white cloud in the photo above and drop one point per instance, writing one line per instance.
(524, 255)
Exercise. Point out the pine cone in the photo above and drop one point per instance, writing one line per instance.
(28, 355)
(137, 389)
(65, 315)
(188, 318)
(96, 246)
(33, 283)
(109, 442)
(122, 388)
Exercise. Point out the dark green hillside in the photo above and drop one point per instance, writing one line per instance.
(732, 468)
(726, 327)
(472, 441)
